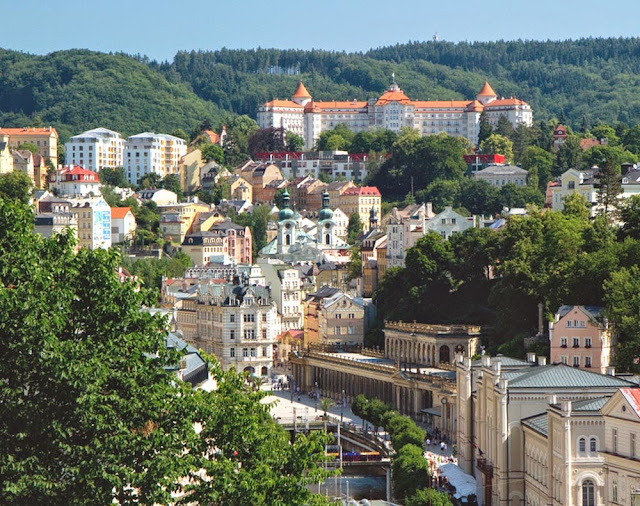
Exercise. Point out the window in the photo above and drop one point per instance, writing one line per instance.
(444, 221)
(264, 317)
(253, 352)
(249, 318)
(632, 445)
(264, 333)
(587, 361)
(587, 342)
(572, 185)
(568, 323)
(582, 445)
(576, 342)
(352, 316)
(232, 318)
(614, 440)
(563, 359)
(453, 221)
(232, 334)
(576, 361)
(614, 491)
(338, 330)
(593, 445)
(245, 352)
(249, 334)
(351, 330)
(588, 493)
(563, 342)
(232, 352)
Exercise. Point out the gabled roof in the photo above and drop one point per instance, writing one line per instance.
(393, 95)
(632, 395)
(592, 312)
(117, 213)
(502, 170)
(504, 102)
(29, 131)
(565, 376)
(590, 404)
(283, 103)
(364, 190)
(487, 91)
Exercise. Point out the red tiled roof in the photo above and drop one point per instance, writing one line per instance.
(586, 144)
(632, 395)
(364, 190)
(77, 170)
(213, 137)
(487, 91)
(28, 131)
(433, 104)
(283, 103)
(117, 213)
(393, 96)
(504, 102)
(354, 104)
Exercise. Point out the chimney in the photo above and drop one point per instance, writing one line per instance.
(531, 357)
(542, 360)
(566, 407)
(611, 371)
(552, 399)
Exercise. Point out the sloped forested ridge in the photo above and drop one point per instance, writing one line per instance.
(77, 90)
(582, 81)
(587, 79)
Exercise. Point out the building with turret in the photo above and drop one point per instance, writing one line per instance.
(392, 110)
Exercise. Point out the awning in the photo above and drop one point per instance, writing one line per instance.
(437, 411)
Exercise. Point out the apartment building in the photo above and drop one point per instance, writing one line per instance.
(149, 152)
(93, 215)
(75, 181)
(363, 201)
(44, 138)
(95, 149)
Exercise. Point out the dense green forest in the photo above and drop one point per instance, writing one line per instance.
(79, 90)
(594, 79)
(586, 81)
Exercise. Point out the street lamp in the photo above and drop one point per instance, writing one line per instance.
(315, 397)
(444, 415)
(342, 403)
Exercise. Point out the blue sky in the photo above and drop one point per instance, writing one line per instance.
(160, 28)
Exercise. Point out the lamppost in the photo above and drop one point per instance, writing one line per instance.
(342, 403)
(444, 415)
(292, 387)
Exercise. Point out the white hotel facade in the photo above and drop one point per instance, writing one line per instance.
(95, 149)
(149, 152)
(392, 110)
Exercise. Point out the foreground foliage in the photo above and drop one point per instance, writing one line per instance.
(91, 415)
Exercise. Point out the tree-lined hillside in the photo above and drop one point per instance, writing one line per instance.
(79, 90)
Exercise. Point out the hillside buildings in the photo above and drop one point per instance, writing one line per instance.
(500, 175)
(95, 149)
(74, 181)
(392, 110)
(123, 225)
(148, 153)
(44, 138)
(236, 321)
(224, 242)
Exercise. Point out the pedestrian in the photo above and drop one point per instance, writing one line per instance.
(428, 442)
(442, 445)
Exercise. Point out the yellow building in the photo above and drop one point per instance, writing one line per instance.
(189, 170)
(45, 138)
(6, 159)
(361, 200)
(176, 219)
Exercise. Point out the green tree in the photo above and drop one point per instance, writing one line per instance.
(631, 139)
(15, 186)
(29, 146)
(181, 134)
(114, 177)
(428, 497)
(569, 155)
(606, 132)
(150, 180)
(267, 139)
(539, 162)
(410, 471)
(576, 205)
(498, 144)
(236, 145)
(294, 142)
(354, 228)
(171, 182)
(355, 263)
(339, 138)
(212, 153)
(504, 127)
(485, 130)
(113, 425)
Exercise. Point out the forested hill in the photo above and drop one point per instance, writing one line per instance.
(589, 79)
(78, 90)
(596, 79)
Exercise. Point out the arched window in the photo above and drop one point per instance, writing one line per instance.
(287, 240)
(327, 239)
(582, 445)
(588, 493)
(593, 445)
(444, 354)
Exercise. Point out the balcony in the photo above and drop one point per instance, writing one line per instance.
(485, 466)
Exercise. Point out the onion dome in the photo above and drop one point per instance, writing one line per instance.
(325, 213)
(285, 213)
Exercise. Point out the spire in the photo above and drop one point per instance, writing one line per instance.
(285, 213)
(487, 91)
(325, 213)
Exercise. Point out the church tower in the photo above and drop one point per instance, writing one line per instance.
(326, 225)
(486, 94)
(287, 226)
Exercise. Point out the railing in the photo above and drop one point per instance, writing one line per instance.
(433, 329)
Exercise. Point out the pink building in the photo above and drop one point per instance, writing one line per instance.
(579, 336)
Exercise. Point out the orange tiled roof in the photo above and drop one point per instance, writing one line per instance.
(438, 104)
(77, 170)
(283, 103)
(505, 102)
(586, 144)
(301, 92)
(340, 105)
(29, 131)
(487, 91)
(475, 106)
(213, 137)
(393, 96)
(364, 190)
(118, 213)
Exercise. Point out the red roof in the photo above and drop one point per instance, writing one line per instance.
(487, 91)
(29, 131)
(85, 175)
(586, 144)
(301, 92)
(364, 190)
(504, 102)
(213, 137)
(283, 103)
(633, 397)
(393, 96)
(118, 213)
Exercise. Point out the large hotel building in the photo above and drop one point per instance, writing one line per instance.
(393, 110)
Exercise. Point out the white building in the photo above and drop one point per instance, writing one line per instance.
(500, 175)
(123, 224)
(286, 288)
(149, 152)
(448, 222)
(93, 215)
(392, 110)
(95, 149)
(74, 181)
(404, 228)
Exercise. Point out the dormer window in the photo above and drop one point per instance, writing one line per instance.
(571, 185)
